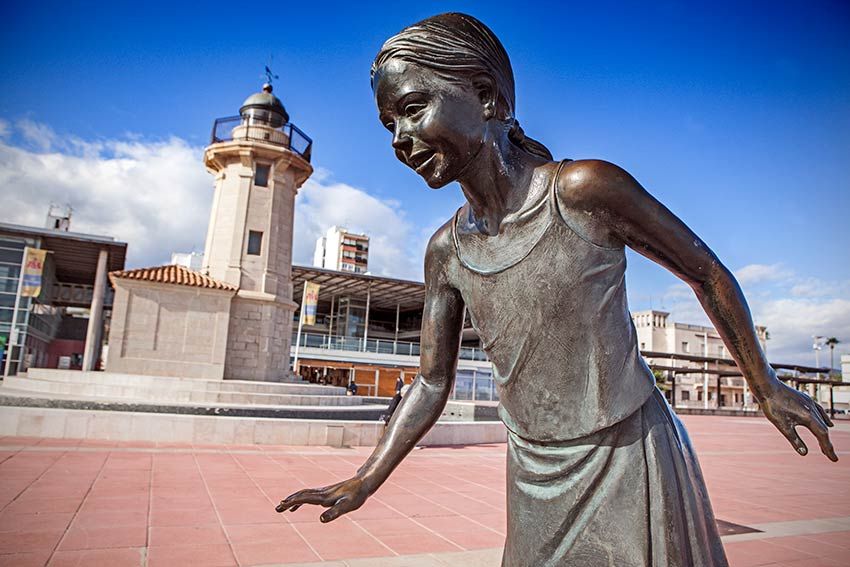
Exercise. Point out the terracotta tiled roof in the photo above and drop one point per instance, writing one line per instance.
(179, 275)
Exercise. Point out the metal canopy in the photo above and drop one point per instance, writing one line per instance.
(385, 293)
(74, 254)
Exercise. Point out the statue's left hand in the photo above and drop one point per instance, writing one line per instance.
(787, 408)
(339, 498)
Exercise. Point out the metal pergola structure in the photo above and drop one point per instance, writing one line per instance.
(383, 293)
(794, 379)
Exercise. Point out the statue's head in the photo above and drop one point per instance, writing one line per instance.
(444, 87)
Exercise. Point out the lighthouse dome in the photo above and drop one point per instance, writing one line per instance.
(264, 107)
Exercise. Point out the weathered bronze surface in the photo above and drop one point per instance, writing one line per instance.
(600, 470)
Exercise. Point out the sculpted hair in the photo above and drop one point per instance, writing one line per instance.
(456, 47)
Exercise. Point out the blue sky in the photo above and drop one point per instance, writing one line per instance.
(736, 115)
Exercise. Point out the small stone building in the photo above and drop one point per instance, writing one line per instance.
(169, 321)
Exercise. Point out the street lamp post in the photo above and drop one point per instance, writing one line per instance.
(817, 346)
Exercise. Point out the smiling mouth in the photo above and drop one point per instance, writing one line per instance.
(419, 160)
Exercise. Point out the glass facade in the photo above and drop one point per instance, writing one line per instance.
(11, 256)
(475, 385)
(350, 320)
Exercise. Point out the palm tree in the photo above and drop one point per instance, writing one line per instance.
(831, 341)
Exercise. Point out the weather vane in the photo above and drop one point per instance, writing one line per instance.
(270, 76)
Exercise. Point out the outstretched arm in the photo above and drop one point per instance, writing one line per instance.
(423, 404)
(607, 196)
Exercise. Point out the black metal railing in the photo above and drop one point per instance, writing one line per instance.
(288, 135)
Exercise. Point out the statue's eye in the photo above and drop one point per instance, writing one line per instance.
(390, 126)
(413, 109)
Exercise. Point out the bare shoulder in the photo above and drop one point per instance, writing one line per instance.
(591, 196)
(594, 185)
(440, 250)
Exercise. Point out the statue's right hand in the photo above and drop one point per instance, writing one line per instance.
(339, 498)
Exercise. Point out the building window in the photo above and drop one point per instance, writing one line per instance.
(685, 347)
(642, 346)
(699, 396)
(686, 396)
(261, 175)
(720, 352)
(255, 242)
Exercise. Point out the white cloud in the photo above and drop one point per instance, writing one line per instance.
(153, 195)
(793, 309)
(792, 322)
(5, 129)
(757, 273)
(156, 196)
(36, 134)
(396, 248)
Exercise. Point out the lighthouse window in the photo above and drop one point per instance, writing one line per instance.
(255, 242)
(261, 174)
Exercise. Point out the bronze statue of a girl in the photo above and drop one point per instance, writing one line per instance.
(600, 470)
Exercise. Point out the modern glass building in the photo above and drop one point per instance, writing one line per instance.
(52, 330)
(368, 330)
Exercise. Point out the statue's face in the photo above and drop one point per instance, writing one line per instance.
(438, 126)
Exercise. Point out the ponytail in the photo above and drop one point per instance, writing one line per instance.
(535, 148)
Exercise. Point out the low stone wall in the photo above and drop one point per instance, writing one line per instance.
(721, 412)
(153, 427)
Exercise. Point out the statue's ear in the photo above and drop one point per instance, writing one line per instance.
(485, 87)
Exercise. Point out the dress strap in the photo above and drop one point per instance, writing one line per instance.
(553, 190)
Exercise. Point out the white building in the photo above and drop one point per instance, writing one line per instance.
(342, 250)
(657, 334)
(191, 260)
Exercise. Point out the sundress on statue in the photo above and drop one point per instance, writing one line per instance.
(600, 471)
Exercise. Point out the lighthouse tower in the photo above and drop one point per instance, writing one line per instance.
(259, 160)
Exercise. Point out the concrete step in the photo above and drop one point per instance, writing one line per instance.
(178, 392)
(11, 397)
(203, 429)
(77, 377)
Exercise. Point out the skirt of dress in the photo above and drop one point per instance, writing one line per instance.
(631, 495)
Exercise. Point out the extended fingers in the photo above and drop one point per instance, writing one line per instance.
(340, 507)
(825, 415)
(819, 428)
(307, 496)
(791, 434)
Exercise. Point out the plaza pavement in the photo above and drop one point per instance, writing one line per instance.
(68, 502)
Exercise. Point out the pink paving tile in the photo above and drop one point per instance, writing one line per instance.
(814, 548)
(135, 503)
(191, 555)
(473, 537)
(185, 535)
(389, 527)
(125, 557)
(374, 510)
(424, 542)
(14, 522)
(29, 559)
(27, 504)
(29, 541)
(816, 562)
(341, 540)
(183, 516)
(261, 533)
(247, 512)
(273, 553)
(840, 539)
(101, 537)
(115, 517)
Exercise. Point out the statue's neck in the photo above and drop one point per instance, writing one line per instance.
(496, 184)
